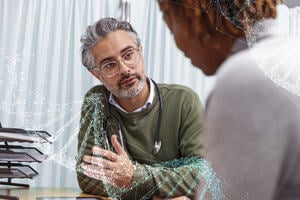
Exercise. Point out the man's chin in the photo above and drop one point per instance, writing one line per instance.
(131, 90)
(126, 94)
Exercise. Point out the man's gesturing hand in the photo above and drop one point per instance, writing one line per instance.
(113, 168)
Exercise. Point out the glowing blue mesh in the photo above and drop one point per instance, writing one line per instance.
(92, 122)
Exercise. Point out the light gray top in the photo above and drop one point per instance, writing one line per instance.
(252, 127)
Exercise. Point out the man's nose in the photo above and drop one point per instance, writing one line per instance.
(124, 69)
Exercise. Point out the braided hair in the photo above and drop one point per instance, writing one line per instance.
(204, 17)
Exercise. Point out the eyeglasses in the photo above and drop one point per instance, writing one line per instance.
(130, 58)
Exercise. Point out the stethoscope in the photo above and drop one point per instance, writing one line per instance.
(157, 143)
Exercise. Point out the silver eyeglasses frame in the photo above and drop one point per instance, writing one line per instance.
(118, 61)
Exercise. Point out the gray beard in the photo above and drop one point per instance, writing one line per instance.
(132, 91)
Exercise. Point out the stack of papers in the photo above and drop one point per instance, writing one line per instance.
(12, 157)
(21, 135)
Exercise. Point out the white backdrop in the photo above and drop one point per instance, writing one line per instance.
(42, 81)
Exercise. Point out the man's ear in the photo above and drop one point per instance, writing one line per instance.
(95, 74)
(141, 50)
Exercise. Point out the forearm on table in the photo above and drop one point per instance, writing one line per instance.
(167, 179)
(174, 178)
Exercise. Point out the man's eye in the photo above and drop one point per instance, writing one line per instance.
(128, 55)
(109, 65)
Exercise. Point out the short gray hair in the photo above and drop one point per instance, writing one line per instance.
(98, 31)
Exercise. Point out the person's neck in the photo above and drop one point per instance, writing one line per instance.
(222, 46)
(133, 103)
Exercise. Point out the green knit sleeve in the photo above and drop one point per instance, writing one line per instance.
(190, 134)
(86, 142)
(91, 133)
(179, 177)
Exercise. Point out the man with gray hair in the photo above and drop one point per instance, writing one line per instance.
(137, 139)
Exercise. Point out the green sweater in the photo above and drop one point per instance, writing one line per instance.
(174, 170)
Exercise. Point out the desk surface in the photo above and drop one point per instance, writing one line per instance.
(33, 193)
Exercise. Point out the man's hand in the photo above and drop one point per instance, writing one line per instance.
(113, 168)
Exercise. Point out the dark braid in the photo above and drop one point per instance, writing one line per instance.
(205, 16)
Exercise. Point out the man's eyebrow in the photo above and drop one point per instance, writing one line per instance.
(126, 48)
(106, 60)
(112, 58)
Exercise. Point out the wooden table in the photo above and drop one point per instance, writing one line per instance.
(33, 193)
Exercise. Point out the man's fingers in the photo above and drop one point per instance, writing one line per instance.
(108, 154)
(113, 177)
(100, 162)
(92, 170)
(117, 146)
(105, 153)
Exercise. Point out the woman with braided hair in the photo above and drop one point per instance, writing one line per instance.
(211, 23)
(251, 128)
